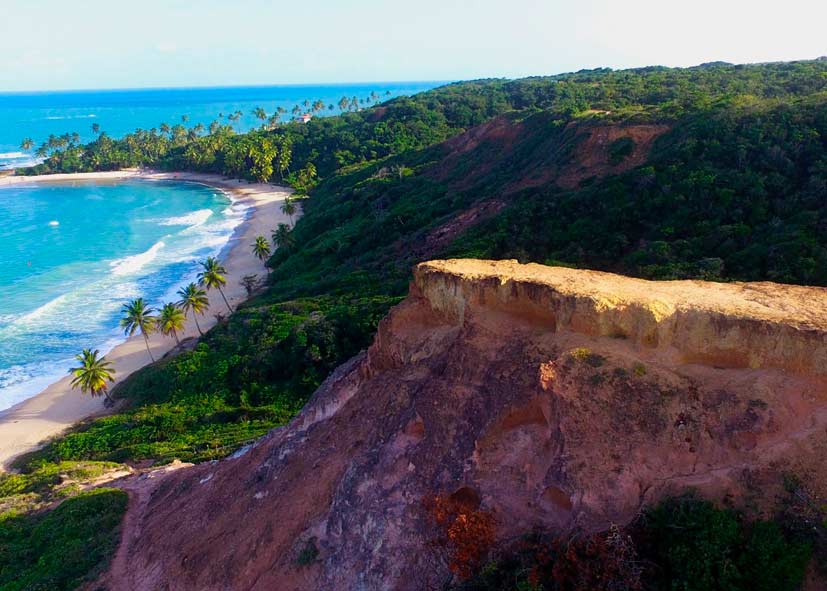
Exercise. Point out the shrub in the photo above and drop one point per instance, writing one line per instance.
(699, 547)
(586, 356)
(620, 149)
(308, 554)
(605, 561)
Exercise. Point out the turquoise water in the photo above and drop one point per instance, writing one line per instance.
(70, 256)
(39, 114)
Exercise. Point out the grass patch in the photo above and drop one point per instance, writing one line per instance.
(63, 548)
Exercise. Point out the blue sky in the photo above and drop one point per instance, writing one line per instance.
(67, 44)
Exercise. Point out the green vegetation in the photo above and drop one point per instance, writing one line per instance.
(620, 149)
(684, 544)
(92, 374)
(700, 547)
(586, 356)
(309, 553)
(248, 375)
(60, 549)
(139, 317)
(194, 301)
(734, 189)
(261, 248)
(170, 321)
(212, 275)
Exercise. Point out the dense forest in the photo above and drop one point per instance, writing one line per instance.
(729, 184)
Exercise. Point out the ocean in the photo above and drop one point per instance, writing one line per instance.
(71, 255)
(37, 115)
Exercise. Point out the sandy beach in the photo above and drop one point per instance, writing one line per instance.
(26, 425)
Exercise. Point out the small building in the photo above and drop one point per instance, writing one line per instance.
(306, 117)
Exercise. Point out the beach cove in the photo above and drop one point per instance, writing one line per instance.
(25, 425)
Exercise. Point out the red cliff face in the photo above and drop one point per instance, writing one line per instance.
(547, 396)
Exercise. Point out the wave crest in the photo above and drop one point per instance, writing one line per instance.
(62, 117)
(136, 262)
(196, 218)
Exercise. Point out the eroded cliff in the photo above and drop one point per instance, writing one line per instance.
(548, 396)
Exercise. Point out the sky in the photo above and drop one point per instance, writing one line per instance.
(88, 44)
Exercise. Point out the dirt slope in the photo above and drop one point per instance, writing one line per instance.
(549, 396)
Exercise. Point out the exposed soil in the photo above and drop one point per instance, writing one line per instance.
(549, 397)
(592, 154)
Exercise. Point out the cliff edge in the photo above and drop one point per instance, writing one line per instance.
(551, 397)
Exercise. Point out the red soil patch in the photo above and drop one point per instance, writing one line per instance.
(378, 114)
(591, 156)
(500, 133)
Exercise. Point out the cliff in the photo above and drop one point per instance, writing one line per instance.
(548, 396)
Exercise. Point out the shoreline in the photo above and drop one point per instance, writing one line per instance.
(28, 424)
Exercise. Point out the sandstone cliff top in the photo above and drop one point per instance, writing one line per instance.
(797, 306)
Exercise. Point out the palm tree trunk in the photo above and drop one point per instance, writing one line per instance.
(198, 326)
(221, 291)
(177, 340)
(146, 340)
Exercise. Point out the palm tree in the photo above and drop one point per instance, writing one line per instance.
(137, 316)
(283, 237)
(194, 299)
(27, 144)
(92, 374)
(171, 320)
(288, 208)
(234, 117)
(261, 248)
(96, 128)
(212, 276)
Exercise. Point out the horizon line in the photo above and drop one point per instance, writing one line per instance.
(420, 81)
(225, 86)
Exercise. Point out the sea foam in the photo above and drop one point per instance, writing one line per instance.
(195, 218)
(136, 262)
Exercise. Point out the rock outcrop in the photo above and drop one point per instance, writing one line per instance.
(551, 397)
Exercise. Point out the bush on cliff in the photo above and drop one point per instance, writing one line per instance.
(684, 544)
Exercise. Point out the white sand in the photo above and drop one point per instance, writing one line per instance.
(27, 424)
